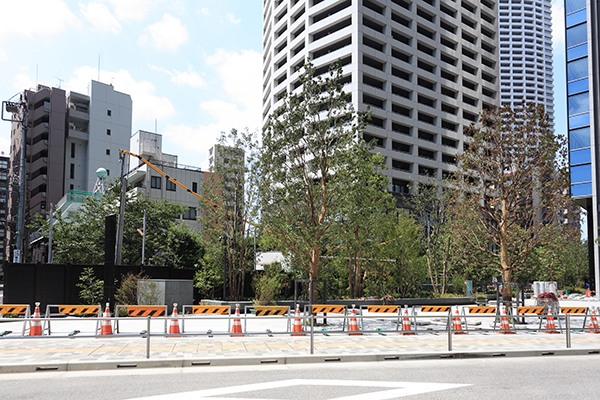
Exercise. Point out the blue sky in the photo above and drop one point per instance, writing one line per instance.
(194, 65)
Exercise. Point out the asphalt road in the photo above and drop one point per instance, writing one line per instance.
(497, 378)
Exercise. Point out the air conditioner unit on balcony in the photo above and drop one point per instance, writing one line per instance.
(45, 159)
(44, 176)
(43, 194)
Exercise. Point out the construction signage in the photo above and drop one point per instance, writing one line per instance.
(482, 310)
(79, 310)
(435, 309)
(530, 310)
(383, 309)
(13, 309)
(573, 310)
(146, 311)
(221, 310)
(327, 308)
(271, 310)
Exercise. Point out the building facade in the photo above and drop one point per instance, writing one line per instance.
(68, 139)
(526, 67)
(425, 68)
(153, 185)
(582, 40)
(5, 189)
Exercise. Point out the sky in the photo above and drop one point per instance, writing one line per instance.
(193, 66)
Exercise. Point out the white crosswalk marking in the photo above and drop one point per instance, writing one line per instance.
(390, 390)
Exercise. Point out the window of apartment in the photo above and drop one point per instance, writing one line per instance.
(171, 186)
(72, 171)
(108, 152)
(108, 132)
(109, 113)
(108, 172)
(190, 213)
(72, 150)
(71, 187)
(195, 187)
(155, 182)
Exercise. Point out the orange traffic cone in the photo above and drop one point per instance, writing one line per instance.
(550, 328)
(593, 323)
(106, 328)
(36, 324)
(406, 324)
(297, 328)
(504, 326)
(174, 323)
(588, 293)
(353, 327)
(457, 326)
(237, 324)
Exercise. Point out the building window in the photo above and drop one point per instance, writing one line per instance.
(108, 132)
(108, 172)
(109, 113)
(155, 182)
(108, 152)
(72, 171)
(195, 187)
(171, 186)
(72, 150)
(190, 213)
(71, 187)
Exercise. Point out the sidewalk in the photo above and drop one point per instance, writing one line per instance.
(81, 353)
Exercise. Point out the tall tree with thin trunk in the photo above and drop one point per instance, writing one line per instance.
(513, 186)
(308, 141)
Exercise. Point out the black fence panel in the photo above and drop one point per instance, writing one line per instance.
(57, 283)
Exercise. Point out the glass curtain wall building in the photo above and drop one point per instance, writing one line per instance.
(582, 48)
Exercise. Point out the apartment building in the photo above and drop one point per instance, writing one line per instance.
(425, 68)
(526, 62)
(153, 185)
(68, 139)
(582, 41)
(5, 189)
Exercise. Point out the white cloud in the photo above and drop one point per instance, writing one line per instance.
(3, 56)
(129, 10)
(146, 104)
(231, 18)
(100, 17)
(32, 18)
(205, 11)
(168, 33)
(558, 26)
(183, 78)
(239, 106)
(23, 81)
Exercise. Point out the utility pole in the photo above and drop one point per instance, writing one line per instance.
(14, 108)
(119, 252)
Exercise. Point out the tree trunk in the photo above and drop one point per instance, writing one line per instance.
(504, 261)
(314, 271)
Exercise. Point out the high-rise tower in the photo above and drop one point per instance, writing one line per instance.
(525, 29)
(426, 68)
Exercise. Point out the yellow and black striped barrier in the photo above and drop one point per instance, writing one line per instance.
(531, 310)
(217, 310)
(72, 309)
(482, 310)
(383, 309)
(437, 309)
(260, 311)
(328, 309)
(573, 310)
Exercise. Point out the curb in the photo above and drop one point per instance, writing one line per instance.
(280, 360)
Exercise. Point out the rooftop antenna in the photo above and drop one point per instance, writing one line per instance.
(101, 185)
(36, 75)
(60, 81)
(155, 126)
(98, 67)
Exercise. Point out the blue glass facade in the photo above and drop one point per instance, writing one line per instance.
(578, 101)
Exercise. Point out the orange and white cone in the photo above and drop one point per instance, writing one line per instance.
(106, 328)
(36, 324)
(406, 324)
(353, 327)
(550, 327)
(457, 325)
(237, 324)
(174, 323)
(588, 293)
(297, 328)
(593, 323)
(504, 326)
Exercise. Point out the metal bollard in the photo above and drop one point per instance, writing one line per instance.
(148, 339)
(449, 334)
(568, 330)
(312, 334)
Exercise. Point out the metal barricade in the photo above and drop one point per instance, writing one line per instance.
(20, 310)
(205, 310)
(268, 311)
(392, 310)
(69, 310)
(141, 312)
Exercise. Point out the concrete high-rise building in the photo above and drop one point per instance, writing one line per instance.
(5, 189)
(68, 139)
(426, 68)
(526, 68)
(582, 40)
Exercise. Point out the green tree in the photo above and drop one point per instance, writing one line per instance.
(307, 142)
(92, 288)
(233, 193)
(512, 187)
(79, 238)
